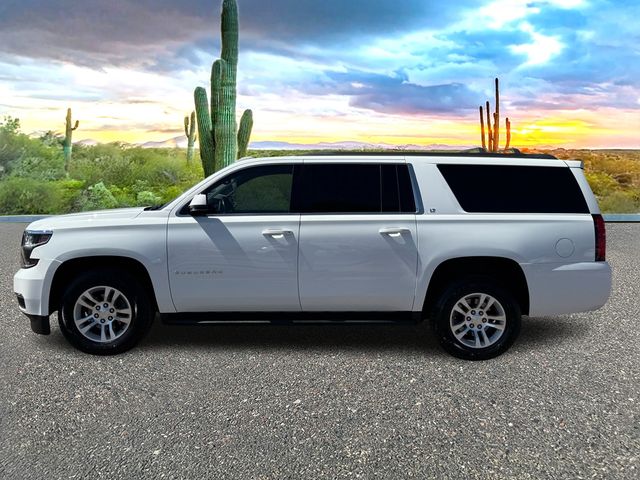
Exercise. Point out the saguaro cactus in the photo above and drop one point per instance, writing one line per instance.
(492, 141)
(219, 141)
(190, 132)
(68, 142)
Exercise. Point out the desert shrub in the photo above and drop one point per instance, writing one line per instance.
(28, 196)
(601, 183)
(97, 197)
(101, 163)
(620, 202)
(171, 192)
(147, 198)
(69, 195)
(46, 167)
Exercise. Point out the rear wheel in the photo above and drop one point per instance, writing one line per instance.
(105, 312)
(476, 319)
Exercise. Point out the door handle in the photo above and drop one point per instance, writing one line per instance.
(394, 231)
(276, 233)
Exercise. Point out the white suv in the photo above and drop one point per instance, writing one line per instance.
(469, 241)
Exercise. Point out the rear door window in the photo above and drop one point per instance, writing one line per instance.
(352, 188)
(514, 189)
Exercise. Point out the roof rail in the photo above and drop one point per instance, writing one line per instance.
(473, 152)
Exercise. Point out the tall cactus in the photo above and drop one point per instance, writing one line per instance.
(220, 140)
(190, 132)
(492, 141)
(68, 142)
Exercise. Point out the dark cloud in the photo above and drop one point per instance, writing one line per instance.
(94, 32)
(395, 94)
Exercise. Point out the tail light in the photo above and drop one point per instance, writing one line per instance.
(601, 237)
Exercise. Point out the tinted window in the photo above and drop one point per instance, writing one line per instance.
(339, 188)
(353, 188)
(253, 190)
(514, 189)
(405, 189)
(397, 191)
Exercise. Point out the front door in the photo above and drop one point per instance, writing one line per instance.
(243, 255)
(358, 247)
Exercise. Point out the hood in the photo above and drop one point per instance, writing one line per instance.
(97, 218)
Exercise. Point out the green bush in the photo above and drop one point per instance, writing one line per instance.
(29, 196)
(601, 183)
(98, 197)
(146, 199)
(620, 202)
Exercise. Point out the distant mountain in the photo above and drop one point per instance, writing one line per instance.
(87, 142)
(181, 142)
(350, 145)
(175, 142)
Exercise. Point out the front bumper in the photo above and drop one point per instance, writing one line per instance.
(31, 286)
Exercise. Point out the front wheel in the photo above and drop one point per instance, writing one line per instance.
(476, 319)
(105, 312)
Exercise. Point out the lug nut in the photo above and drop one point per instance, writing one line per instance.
(97, 307)
(472, 325)
(102, 320)
(105, 305)
(473, 312)
(111, 310)
(480, 312)
(479, 327)
(468, 319)
(110, 317)
(95, 315)
(484, 320)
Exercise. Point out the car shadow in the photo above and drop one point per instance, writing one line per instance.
(536, 334)
(346, 336)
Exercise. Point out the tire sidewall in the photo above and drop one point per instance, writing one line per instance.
(142, 314)
(442, 311)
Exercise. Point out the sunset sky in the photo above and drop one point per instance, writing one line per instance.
(392, 71)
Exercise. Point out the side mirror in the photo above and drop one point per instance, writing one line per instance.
(198, 205)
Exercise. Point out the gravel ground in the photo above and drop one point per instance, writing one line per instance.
(327, 402)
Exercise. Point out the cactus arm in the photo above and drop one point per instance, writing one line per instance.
(76, 126)
(508, 144)
(484, 142)
(244, 133)
(496, 126)
(192, 130)
(186, 126)
(207, 145)
(489, 129)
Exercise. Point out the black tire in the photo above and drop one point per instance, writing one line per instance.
(443, 310)
(142, 311)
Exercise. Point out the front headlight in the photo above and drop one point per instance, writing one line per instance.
(30, 240)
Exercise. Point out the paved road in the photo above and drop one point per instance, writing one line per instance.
(327, 402)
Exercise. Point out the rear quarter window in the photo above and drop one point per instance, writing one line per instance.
(514, 189)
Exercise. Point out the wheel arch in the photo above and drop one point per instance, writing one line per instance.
(72, 267)
(504, 270)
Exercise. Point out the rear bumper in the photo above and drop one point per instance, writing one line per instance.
(556, 289)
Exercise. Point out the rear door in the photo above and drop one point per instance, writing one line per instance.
(357, 236)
